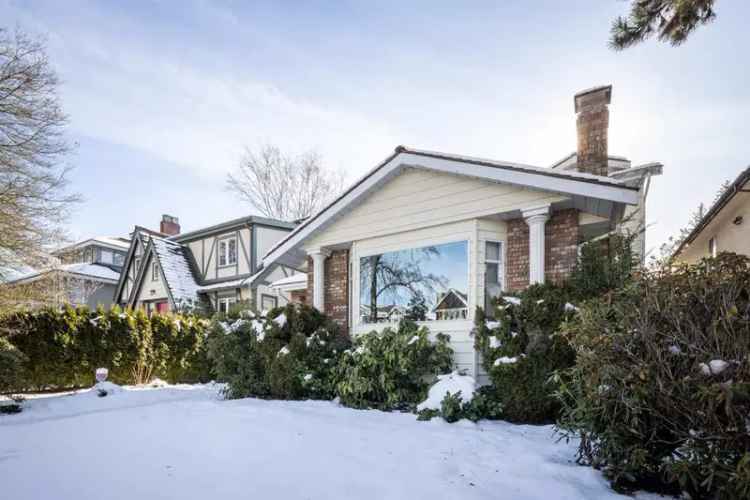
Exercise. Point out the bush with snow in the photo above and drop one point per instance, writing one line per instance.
(288, 353)
(521, 349)
(661, 386)
(392, 369)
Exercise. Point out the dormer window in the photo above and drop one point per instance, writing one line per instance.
(228, 251)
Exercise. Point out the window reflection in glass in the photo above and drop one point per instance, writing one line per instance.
(422, 284)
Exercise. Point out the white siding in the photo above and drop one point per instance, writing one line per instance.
(205, 252)
(417, 198)
(151, 290)
(267, 238)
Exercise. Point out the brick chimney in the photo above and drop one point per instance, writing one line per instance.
(169, 225)
(593, 123)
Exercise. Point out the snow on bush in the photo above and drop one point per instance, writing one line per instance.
(713, 367)
(505, 360)
(450, 383)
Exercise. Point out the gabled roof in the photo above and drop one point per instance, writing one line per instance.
(174, 265)
(566, 182)
(83, 270)
(459, 297)
(105, 241)
(136, 238)
(738, 186)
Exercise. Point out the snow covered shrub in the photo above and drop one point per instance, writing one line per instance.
(11, 367)
(521, 349)
(454, 397)
(392, 369)
(661, 387)
(290, 353)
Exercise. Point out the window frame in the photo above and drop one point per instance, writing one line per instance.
(154, 271)
(354, 278)
(223, 304)
(264, 296)
(501, 278)
(224, 254)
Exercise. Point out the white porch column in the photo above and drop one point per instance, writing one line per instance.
(536, 218)
(319, 263)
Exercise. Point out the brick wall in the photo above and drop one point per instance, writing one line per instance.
(560, 252)
(561, 245)
(298, 296)
(336, 286)
(517, 255)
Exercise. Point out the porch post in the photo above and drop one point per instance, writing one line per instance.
(319, 258)
(536, 218)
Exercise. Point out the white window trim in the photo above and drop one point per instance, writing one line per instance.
(154, 271)
(225, 253)
(446, 324)
(223, 304)
(501, 262)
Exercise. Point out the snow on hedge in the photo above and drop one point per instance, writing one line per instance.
(450, 383)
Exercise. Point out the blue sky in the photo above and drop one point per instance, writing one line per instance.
(163, 95)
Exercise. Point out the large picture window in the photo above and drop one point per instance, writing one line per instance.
(423, 284)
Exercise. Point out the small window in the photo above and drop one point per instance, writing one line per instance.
(154, 272)
(712, 251)
(119, 259)
(226, 303)
(228, 252)
(494, 273)
(268, 302)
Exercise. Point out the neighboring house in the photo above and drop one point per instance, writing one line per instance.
(85, 273)
(209, 267)
(724, 228)
(454, 231)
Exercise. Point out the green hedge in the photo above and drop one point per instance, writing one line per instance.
(289, 354)
(392, 369)
(63, 347)
(521, 350)
(660, 392)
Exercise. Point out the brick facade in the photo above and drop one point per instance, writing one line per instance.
(560, 252)
(593, 125)
(336, 286)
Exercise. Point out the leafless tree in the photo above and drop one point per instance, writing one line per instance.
(282, 186)
(34, 200)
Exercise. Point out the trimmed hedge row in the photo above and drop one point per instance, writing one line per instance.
(62, 348)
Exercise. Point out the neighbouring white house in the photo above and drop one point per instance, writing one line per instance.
(167, 270)
(445, 233)
(724, 228)
(81, 274)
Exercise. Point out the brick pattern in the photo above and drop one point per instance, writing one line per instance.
(517, 255)
(336, 286)
(560, 252)
(561, 245)
(593, 122)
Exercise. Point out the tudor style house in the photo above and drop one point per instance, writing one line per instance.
(167, 270)
(439, 234)
(724, 228)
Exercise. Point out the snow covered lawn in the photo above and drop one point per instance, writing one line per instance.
(183, 442)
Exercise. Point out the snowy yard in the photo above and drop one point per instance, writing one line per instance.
(183, 442)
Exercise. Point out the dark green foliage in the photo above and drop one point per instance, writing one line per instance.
(392, 369)
(642, 395)
(11, 366)
(524, 339)
(484, 405)
(671, 20)
(602, 265)
(290, 354)
(63, 347)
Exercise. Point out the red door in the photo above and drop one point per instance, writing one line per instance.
(162, 307)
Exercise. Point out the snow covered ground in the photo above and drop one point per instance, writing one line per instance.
(183, 442)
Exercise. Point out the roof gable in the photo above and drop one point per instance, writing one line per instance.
(564, 182)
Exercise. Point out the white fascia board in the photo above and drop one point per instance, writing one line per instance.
(530, 179)
(510, 175)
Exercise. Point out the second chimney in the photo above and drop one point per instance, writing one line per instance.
(593, 123)
(169, 225)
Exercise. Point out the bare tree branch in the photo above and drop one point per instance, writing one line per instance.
(284, 187)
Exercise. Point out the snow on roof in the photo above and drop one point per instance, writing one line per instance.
(176, 268)
(294, 279)
(83, 269)
(238, 283)
(108, 241)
